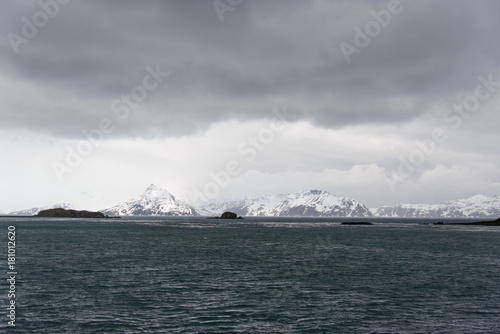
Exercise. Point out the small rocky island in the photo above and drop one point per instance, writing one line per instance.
(481, 223)
(356, 223)
(227, 215)
(70, 213)
(487, 223)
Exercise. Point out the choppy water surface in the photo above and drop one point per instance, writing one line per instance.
(192, 275)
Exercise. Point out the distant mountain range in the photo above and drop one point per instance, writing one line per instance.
(155, 201)
(159, 202)
(475, 206)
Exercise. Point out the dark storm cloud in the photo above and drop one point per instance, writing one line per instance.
(263, 53)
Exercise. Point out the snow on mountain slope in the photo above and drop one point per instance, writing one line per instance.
(311, 203)
(152, 202)
(34, 211)
(475, 206)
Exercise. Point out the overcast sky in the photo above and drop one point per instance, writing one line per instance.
(380, 101)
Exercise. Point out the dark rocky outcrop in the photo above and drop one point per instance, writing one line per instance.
(357, 223)
(481, 223)
(487, 223)
(70, 213)
(227, 215)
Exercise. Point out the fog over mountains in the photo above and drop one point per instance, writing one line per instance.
(155, 201)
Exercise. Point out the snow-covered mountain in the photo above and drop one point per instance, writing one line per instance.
(34, 211)
(475, 206)
(152, 202)
(311, 203)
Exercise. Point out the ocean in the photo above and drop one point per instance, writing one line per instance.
(258, 275)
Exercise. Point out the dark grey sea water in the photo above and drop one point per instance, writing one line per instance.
(192, 275)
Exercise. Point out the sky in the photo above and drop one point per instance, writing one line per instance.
(379, 101)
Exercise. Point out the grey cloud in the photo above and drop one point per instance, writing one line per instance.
(262, 52)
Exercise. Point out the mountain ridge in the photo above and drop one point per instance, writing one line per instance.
(309, 203)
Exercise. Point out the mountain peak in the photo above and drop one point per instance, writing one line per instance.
(316, 192)
(154, 201)
(152, 187)
(155, 192)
